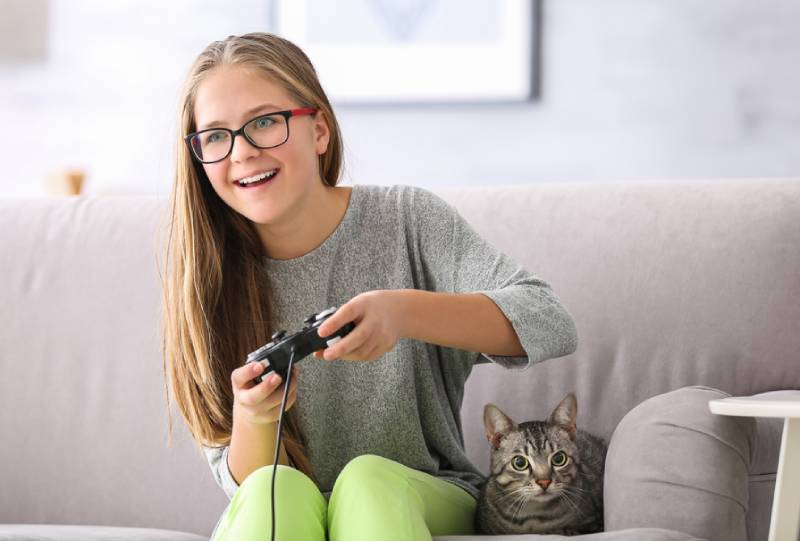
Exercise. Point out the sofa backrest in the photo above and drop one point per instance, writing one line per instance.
(670, 284)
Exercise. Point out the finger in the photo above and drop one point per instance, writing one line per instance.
(274, 400)
(244, 374)
(292, 394)
(257, 393)
(373, 354)
(290, 400)
(352, 341)
(292, 387)
(344, 314)
(365, 352)
(276, 395)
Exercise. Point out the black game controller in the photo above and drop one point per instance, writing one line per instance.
(275, 355)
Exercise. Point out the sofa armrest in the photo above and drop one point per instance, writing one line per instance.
(673, 464)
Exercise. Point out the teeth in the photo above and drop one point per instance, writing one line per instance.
(256, 178)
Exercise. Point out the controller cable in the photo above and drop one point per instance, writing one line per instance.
(278, 439)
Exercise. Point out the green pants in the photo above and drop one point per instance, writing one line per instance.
(373, 498)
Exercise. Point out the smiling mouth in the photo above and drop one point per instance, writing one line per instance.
(257, 180)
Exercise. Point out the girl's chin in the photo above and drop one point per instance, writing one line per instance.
(259, 218)
(257, 212)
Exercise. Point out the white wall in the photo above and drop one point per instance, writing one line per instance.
(630, 90)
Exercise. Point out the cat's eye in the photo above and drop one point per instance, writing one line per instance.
(520, 463)
(559, 459)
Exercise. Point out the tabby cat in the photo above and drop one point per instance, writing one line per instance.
(546, 477)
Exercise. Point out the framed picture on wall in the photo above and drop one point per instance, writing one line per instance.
(417, 51)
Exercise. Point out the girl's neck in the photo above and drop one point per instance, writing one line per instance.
(329, 208)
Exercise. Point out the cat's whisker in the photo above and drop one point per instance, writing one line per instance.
(572, 492)
(520, 496)
(569, 501)
(579, 504)
(511, 493)
(517, 507)
(522, 501)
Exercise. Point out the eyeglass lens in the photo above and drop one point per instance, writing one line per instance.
(265, 131)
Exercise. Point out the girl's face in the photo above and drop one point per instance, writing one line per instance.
(230, 96)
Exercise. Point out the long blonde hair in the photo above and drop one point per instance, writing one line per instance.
(215, 291)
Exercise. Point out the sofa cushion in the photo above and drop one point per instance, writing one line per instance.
(664, 462)
(634, 534)
(57, 532)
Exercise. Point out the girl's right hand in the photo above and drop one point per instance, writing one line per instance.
(260, 403)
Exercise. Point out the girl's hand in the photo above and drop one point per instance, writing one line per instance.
(378, 321)
(260, 403)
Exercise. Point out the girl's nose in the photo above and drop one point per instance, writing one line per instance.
(242, 149)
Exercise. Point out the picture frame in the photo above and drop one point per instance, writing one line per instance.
(418, 51)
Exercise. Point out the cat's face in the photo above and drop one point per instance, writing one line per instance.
(535, 461)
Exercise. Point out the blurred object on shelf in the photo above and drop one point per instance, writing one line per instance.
(65, 182)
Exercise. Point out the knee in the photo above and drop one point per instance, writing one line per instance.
(365, 466)
(260, 480)
(302, 518)
(364, 472)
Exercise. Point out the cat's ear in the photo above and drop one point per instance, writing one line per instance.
(497, 424)
(565, 414)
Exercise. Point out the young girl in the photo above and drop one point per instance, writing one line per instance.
(262, 237)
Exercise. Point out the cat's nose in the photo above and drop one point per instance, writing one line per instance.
(544, 483)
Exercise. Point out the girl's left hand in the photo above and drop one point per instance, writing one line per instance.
(378, 321)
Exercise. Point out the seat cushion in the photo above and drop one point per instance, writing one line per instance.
(57, 532)
(633, 534)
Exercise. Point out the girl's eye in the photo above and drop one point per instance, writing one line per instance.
(264, 122)
(520, 463)
(559, 459)
(216, 136)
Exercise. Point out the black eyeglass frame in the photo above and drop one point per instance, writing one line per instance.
(233, 133)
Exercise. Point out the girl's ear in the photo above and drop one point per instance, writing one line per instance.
(322, 134)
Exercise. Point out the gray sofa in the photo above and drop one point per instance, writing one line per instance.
(681, 292)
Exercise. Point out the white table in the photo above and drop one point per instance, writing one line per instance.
(785, 521)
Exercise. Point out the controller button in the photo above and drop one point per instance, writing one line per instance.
(253, 354)
(325, 313)
(278, 335)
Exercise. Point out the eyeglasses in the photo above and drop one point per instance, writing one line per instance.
(265, 131)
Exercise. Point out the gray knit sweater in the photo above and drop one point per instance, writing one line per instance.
(406, 405)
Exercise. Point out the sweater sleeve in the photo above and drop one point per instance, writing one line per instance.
(218, 461)
(453, 258)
